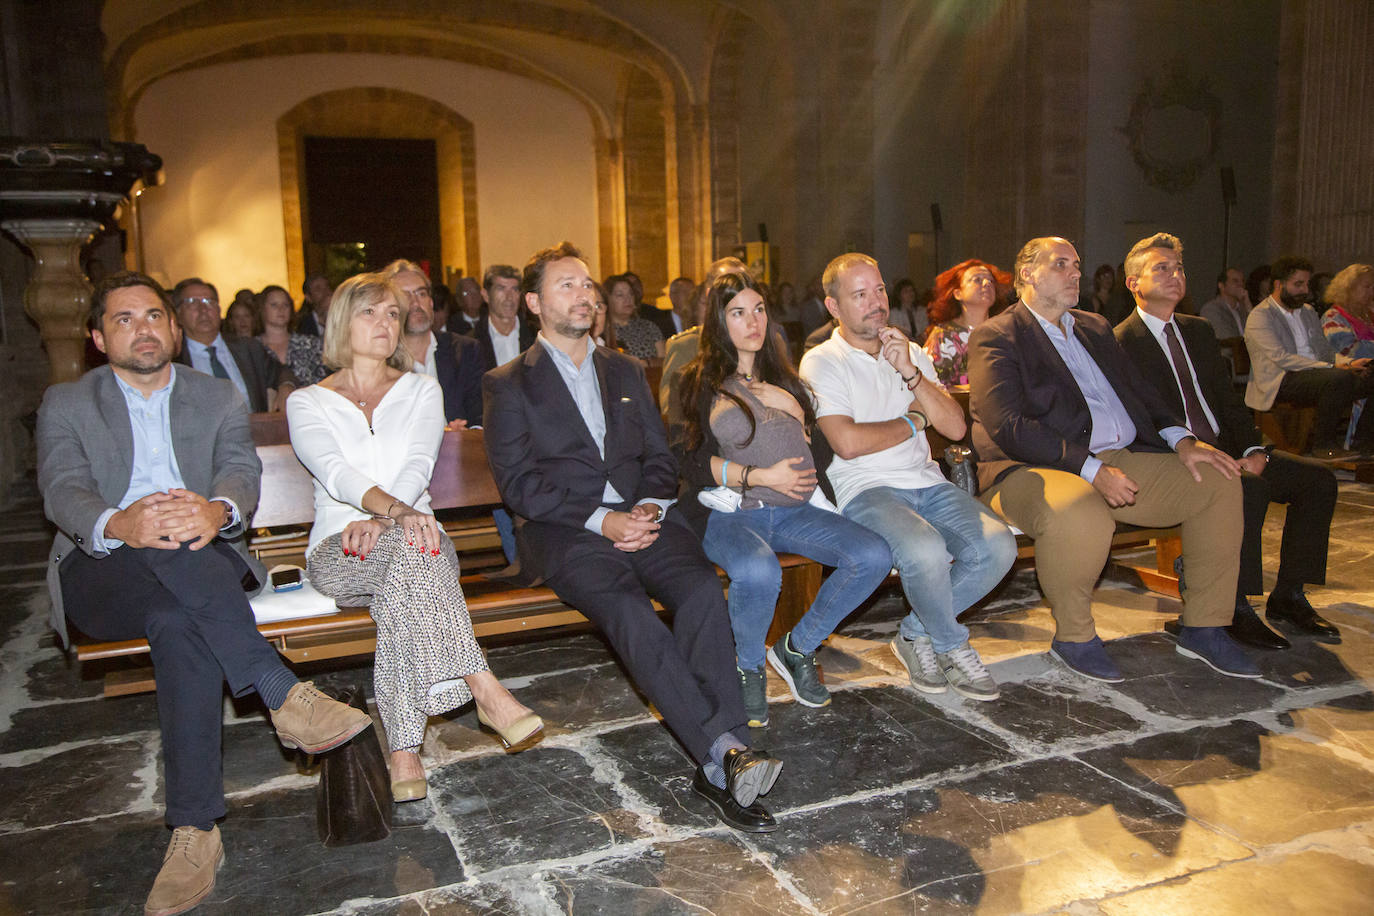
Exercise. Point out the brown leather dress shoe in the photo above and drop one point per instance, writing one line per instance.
(313, 722)
(188, 871)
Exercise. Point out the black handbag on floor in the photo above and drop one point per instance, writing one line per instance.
(354, 802)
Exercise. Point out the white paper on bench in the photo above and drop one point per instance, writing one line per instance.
(272, 607)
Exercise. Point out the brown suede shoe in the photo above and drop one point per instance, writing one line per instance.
(314, 723)
(188, 871)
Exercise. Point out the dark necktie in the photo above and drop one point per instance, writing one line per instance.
(1192, 403)
(216, 367)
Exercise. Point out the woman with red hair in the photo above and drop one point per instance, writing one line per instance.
(965, 295)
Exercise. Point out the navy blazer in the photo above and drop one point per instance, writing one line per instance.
(1028, 410)
(482, 334)
(458, 365)
(546, 464)
(258, 366)
(1236, 423)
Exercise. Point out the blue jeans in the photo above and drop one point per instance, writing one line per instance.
(745, 544)
(949, 548)
(505, 529)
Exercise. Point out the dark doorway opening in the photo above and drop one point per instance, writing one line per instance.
(367, 202)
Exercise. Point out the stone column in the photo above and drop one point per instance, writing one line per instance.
(58, 294)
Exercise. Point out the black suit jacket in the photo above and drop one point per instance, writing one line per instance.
(1237, 424)
(482, 334)
(459, 365)
(546, 464)
(1028, 410)
(259, 368)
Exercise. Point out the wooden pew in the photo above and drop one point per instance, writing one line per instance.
(462, 480)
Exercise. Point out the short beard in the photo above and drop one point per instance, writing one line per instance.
(1290, 301)
(429, 325)
(148, 365)
(569, 330)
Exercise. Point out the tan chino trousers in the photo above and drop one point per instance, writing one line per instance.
(1072, 527)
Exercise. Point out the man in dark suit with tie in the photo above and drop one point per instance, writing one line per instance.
(1071, 440)
(1181, 356)
(263, 382)
(453, 360)
(148, 471)
(578, 451)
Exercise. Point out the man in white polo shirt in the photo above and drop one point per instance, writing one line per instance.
(876, 394)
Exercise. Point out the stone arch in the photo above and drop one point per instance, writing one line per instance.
(374, 111)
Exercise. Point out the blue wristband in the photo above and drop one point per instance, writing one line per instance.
(909, 423)
(725, 473)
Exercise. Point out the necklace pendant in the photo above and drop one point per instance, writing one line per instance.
(362, 403)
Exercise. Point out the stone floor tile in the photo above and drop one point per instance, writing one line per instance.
(1025, 838)
(71, 785)
(512, 809)
(1049, 712)
(1258, 786)
(866, 740)
(83, 720)
(1306, 882)
(708, 874)
(654, 769)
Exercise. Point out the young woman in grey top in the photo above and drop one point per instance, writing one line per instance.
(747, 422)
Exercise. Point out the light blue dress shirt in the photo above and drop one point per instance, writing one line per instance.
(1112, 425)
(199, 355)
(155, 462)
(586, 393)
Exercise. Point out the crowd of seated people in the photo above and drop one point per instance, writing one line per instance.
(616, 495)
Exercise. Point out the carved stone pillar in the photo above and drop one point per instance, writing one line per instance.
(58, 294)
(54, 197)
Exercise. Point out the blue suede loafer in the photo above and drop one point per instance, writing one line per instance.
(1089, 659)
(1215, 646)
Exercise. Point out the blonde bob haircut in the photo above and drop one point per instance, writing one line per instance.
(352, 296)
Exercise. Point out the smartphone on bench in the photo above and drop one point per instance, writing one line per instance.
(286, 578)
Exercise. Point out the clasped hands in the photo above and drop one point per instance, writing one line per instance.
(633, 530)
(165, 521)
(421, 531)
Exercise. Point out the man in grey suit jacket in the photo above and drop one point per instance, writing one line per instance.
(1291, 360)
(257, 375)
(147, 470)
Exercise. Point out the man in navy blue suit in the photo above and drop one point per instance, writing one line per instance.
(454, 360)
(578, 450)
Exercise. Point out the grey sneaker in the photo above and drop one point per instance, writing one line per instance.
(965, 672)
(799, 672)
(918, 658)
(753, 685)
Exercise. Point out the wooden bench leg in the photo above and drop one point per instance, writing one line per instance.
(799, 587)
(1162, 579)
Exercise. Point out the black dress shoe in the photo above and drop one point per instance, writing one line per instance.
(752, 819)
(1293, 609)
(749, 774)
(1247, 629)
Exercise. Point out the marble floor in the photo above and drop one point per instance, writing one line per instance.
(1178, 791)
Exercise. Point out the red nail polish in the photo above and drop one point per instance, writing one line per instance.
(436, 551)
(363, 557)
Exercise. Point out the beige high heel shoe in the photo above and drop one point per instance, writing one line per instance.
(522, 729)
(408, 790)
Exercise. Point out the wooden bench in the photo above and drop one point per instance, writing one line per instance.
(462, 480)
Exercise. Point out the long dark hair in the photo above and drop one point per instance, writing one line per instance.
(717, 360)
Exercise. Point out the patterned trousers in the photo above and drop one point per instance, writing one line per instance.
(425, 644)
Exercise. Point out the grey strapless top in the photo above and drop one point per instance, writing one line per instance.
(777, 435)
